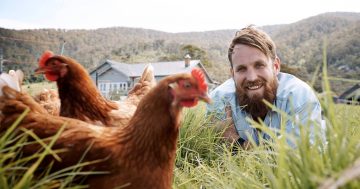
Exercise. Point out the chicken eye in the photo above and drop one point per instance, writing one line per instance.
(51, 63)
(187, 85)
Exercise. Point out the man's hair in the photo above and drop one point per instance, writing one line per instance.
(254, 37)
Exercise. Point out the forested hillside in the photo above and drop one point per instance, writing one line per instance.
(300, 46)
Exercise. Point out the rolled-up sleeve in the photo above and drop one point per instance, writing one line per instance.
(309, 115)
(217, 108)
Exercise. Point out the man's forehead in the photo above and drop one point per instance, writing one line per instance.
(247, 54)
(241, 48)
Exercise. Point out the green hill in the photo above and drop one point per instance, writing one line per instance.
(300, 46)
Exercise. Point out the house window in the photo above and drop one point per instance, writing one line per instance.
(123, 86)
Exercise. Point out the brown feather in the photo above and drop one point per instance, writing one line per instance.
(138, 155)
(81, 99)
(49, 100)
(79, 96)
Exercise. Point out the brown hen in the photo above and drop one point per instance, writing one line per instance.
(49, 99)
(138, 155)
(80, 98)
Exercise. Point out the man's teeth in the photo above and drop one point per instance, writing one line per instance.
(254, 87)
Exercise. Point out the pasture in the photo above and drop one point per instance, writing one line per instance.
(204, 161)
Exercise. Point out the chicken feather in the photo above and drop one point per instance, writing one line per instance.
(80, 97)
(140, 154)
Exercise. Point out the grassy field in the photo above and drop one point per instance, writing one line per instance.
(203, 161)
(35, 88)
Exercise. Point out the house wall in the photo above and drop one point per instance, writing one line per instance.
(210, 85)
(113, 81)
(100, 70)
(113, 75)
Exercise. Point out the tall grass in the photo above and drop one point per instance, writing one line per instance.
(202, 162)
(21, 172)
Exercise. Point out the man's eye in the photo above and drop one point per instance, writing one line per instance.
(260, 66)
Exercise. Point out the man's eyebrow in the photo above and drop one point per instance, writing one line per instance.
(240, 66)
(260, 62)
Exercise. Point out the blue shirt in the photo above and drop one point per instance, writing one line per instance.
(293, 96)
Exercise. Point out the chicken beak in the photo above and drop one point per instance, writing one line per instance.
(43, 70)
(205, 97)
(40, 70)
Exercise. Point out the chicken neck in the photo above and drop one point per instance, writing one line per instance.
(80, 98)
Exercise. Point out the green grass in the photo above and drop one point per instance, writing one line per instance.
(203, 161)
(18, 171)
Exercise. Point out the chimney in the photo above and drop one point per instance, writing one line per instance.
(187, 60)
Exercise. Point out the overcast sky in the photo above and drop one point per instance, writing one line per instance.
(163, 15)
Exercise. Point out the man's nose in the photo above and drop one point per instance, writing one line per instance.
(251, 75)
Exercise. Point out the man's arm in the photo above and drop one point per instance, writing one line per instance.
(230, 134)
(309, 115)
(221, 116)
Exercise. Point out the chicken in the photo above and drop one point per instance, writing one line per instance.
(80, 97)
(12, 82)
(127, 107)
(138, 155)
(49, 99)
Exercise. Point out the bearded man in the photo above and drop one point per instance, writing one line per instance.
(256, 77)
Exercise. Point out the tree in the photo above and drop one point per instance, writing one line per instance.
(196, 53)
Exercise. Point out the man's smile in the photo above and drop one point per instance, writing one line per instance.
(254, 87)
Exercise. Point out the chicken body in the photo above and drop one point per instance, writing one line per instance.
(49, 100)
(80, 98)
(140, 154)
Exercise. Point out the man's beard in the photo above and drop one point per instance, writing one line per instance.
(254, 104)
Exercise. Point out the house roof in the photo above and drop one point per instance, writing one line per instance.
(160, 68)
(353, 92)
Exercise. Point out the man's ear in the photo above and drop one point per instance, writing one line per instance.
(277, 65)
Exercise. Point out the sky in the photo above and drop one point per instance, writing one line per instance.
(163, 15)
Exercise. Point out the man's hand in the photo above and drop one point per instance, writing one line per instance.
(230, 134)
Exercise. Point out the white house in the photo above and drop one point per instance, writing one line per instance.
(113, 76)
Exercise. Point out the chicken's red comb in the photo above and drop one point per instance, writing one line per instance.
(44, 57)
(199, 76)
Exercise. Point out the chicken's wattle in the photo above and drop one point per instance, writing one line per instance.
(189, 102)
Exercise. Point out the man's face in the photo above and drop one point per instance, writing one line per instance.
(255, 78)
